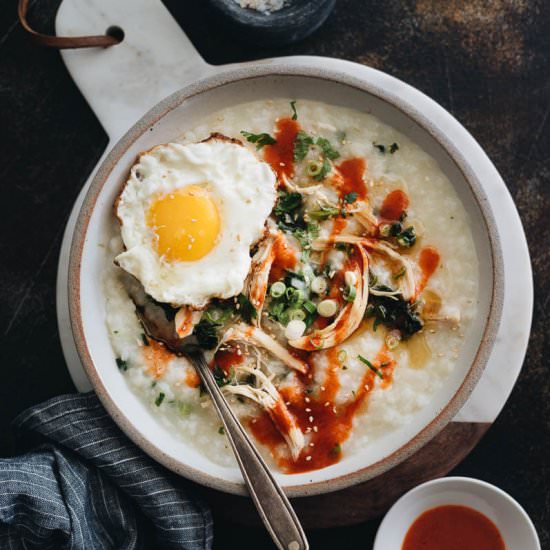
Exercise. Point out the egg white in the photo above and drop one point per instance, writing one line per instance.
(244, 191)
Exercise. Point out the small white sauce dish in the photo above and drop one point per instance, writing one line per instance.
(512, 521)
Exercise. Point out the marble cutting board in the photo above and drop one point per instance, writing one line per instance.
(123, 82)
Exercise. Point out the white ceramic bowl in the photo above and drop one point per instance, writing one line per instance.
(398, 105)
(512, 521)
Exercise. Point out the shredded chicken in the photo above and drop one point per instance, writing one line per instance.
(258, 337)
(256, 285)
(406, 283)
(314, 191)
(366, 218)
(185, 320)
(267, 396)
(349, 317)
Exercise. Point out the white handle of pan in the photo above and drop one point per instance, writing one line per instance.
(121, 83)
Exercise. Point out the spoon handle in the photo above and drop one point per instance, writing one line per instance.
(274, 508)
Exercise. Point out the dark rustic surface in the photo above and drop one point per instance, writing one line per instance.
(487, 61)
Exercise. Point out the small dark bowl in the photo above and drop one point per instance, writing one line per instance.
(293, 22)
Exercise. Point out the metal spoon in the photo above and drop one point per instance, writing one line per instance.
(274, 508)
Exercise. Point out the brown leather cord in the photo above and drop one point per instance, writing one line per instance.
(63, 42)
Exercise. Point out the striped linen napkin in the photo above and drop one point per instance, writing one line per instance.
(87, 486)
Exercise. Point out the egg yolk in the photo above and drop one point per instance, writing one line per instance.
(186, 224)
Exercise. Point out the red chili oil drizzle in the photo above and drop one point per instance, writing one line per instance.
(338, 226)
(280, 155)
(351, 180)
(228, 356)
(394, 205)
(284, 258)
(428, 262)
(325, 424)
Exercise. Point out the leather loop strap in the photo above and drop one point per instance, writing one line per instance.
(63, 42)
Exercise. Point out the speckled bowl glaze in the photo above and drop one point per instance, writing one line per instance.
(396, 104)
(296, 20)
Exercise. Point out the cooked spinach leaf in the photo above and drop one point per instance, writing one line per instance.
(394, 313)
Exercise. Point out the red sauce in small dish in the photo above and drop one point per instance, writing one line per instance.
(453, 527)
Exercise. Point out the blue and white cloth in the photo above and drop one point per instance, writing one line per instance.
(87, 486)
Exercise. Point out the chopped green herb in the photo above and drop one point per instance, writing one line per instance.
(121, 364)
(382, 148)
(206, 333)
(327, 149)
(306, 236)
(301, 145)
(350, 198)
(159, 399)
(144, 339)
(294, 113)
(259, 139)
(406, 238)
(371, 366)
(220, 377)
(221, 430)
(246, 310)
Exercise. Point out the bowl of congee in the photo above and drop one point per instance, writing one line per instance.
(327, 242)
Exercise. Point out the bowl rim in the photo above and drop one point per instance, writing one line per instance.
(406, 107)
(462, 481)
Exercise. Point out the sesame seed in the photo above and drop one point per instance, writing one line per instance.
(323, 388)
(308, 458)
(334, 410)
(327, 404)
(312, 444)
(311, 418)
(366, 387)
(308, 410)
(315, 429)
(308, 430)
(307, 399)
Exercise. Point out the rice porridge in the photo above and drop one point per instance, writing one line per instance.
(358, 289)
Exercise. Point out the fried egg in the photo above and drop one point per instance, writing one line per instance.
(189, 215)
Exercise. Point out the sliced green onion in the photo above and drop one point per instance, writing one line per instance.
(314, 168)
(385, 230)
(296, 315)
(277, 289)
(392, 339)
(327, 308)
(342, 355)
(371, 366)
(309, 306)
(319, 285)
(350, 293)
